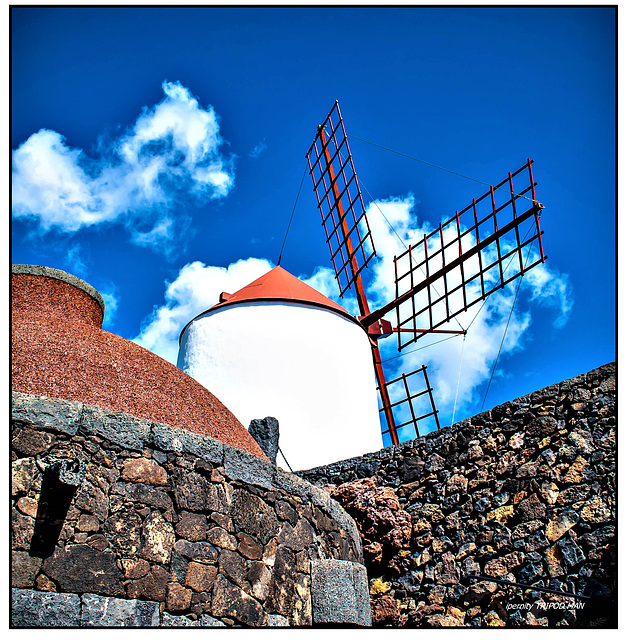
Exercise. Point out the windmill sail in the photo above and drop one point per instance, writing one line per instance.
(479, 250)
(412, 402)
(340, 201)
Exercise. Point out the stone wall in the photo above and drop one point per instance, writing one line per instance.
(523, 493)
(119, 521)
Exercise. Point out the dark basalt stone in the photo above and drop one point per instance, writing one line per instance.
(82, 569)
(266, 432)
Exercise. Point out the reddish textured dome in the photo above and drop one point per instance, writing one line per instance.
(60, 350)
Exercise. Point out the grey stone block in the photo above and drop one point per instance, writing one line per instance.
(340, 593)
(322, 499)
(167, 438)
(266, 432)
(101, 611)
(293, 484)
(276, 620)
(62, 416)
(169, 620)
(243, 466)
(43, 609)
(209, 621)
(115, 426)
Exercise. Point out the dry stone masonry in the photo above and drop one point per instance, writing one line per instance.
(523, 493)
(120, 521)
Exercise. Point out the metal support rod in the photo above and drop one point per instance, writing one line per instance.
(480, 257)
(458, 233)
(398, 329)
(517, 230)
(384, 393)
(363, 304)
(443, 264)
(410, 404)
(539, 232)
(493, 208)
(432, 400)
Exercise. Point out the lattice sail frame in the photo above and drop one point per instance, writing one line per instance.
(410, 406)
(340, 201)
(468, 257)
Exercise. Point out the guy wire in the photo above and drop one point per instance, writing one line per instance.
(291, 218)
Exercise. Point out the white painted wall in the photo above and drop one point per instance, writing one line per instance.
(308, 367)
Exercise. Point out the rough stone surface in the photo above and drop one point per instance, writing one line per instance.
(49, 413)
(249, 469)
(339, 593)
(266, 433)
(80, 568)
(231, 601)
(25, 569)
(38, 609)
(144, 470)
(525, 492)
(167, 528)
(99, 611)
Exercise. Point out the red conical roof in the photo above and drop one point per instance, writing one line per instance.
(278, 285)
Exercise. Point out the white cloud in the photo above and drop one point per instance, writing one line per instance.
(74, 258)
(174, 147)
(111, 306)
(550, 290)
(258, 149)
(196, 288)
(323, 281)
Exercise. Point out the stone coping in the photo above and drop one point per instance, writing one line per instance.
(57, 274)
(75, 418)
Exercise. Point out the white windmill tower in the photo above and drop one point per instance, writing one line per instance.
(280, 348)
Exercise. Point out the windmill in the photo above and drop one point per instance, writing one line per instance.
(467, 258)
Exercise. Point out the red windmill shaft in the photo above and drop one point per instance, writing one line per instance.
(363, 304)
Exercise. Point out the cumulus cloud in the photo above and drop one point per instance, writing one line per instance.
(196, 288)
(74, 258)
(111, 306)
(173, 148)
(322, 279)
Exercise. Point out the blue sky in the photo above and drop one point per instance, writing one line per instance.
(158, 153)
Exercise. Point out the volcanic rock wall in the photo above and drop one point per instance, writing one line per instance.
(523, 493)
(121, 521)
